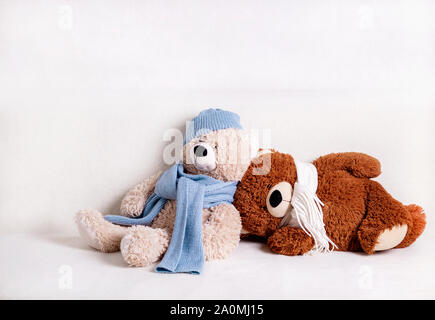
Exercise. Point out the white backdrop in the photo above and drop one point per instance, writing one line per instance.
(87, 89)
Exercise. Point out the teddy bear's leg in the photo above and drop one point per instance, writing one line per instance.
(386, 223)
(220, 231)
(142, 245)
(418, 225)
(99, 233)
(290, 241)
(341, 224)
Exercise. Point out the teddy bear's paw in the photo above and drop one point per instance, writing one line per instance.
(134, 201)
(418, 225)
(142, 246)
(85, 220)
(390, 238)
(97, 232)
(290, 241)
(133, 204)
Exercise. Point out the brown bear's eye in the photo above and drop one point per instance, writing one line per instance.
(278, 199)
(275, 198)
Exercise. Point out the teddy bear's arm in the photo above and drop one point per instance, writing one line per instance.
(290, 241)
(134, 201)
(358, 164)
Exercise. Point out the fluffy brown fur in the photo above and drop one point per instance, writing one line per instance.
(357, 210)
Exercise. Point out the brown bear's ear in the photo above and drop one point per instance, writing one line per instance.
(262, 151)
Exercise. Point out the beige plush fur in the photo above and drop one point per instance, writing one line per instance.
(233, 154)
(133, 202)
(99, 233)
(141, 245)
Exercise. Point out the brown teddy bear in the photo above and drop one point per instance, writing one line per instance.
(329, 204)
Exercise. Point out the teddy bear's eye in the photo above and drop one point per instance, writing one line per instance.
(269, 186)
(278, 199)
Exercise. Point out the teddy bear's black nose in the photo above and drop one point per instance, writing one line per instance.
(275, 198)
(200, 151)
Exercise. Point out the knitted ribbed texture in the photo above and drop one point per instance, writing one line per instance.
(211, 120)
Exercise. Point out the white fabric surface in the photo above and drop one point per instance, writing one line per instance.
(39, 266)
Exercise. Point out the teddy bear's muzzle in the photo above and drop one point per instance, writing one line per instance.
(204, 157)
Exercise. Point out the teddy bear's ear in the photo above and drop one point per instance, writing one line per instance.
(262, 151)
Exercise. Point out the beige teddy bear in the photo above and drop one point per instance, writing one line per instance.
(217, 147)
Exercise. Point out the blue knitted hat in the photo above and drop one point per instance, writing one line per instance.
(211, 120)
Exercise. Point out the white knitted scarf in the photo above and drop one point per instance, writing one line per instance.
(306, 212)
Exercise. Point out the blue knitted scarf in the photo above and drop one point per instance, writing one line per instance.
(192, 193)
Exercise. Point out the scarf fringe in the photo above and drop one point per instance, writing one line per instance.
(307, 209)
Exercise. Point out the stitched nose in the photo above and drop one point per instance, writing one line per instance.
(200, 151)
(275, 198)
